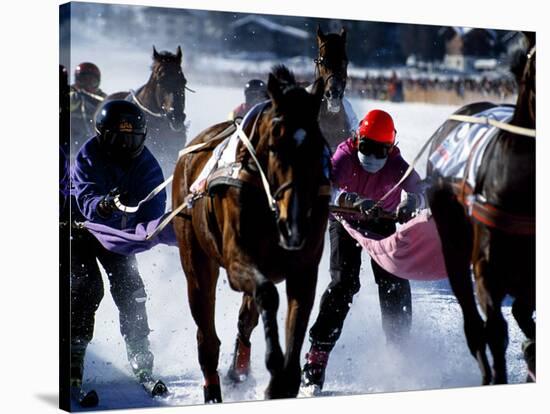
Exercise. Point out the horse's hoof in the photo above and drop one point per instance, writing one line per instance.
(236, 377)
(212, 394)
(240, 366)
(529, 353)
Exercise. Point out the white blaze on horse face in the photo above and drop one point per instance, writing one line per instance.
(333, 105)
(299, 136)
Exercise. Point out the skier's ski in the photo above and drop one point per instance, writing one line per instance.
(86, 399)
(155, 388)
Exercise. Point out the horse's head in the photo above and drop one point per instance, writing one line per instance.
(169, 82)
(294, 149)
(332, 66)
(523, 66)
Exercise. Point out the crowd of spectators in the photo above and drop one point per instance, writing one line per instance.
(399, 87)
(393, 87)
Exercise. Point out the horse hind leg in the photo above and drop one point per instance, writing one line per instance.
(496, 328)
(455, 231)
(248, 320)
(522, 311)
(202, 275)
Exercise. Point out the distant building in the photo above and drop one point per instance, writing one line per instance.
(464, 45)
(264, 37)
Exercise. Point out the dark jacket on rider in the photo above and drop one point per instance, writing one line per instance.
(95, 175)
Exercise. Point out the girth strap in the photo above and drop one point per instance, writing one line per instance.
(510, 223)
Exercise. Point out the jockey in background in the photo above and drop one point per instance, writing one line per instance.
(255, 91)
(85, 97)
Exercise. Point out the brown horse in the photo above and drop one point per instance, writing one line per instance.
(258, 245)
(332, 66)
(497, 239)
(162, 100)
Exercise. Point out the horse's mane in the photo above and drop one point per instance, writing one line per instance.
(166, 54)
(284, 75)
(164, 57)
(517, 57)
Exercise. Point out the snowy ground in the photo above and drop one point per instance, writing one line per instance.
(436, 356)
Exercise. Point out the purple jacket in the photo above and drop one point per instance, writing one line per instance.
(94, 176)
(349, 176)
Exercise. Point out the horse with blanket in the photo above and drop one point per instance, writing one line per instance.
(482, 197)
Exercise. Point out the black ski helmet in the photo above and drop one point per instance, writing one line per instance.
(121, 129)
(255, 91)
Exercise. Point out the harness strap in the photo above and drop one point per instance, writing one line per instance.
(157, 189)
(461, 118)
(188, 201)
(405, 175)
(244, 139)
(493, 122)
(91, 95)
(491, 216)
(160, 187)
(143, 107)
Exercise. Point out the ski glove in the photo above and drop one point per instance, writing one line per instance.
(408, 207)
(356, 202)
(106, 207)
(348, 200)
(365, 206)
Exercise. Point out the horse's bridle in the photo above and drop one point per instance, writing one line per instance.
(321, 61)
(272, 197)
(149, 111)
(144, 108)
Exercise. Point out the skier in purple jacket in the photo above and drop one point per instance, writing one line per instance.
(365, 168)
(113, 163)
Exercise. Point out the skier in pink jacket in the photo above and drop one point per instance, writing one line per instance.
(365, 168)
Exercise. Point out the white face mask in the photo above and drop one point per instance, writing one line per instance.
(370, 163)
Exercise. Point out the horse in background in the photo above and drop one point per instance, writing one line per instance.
(162, 100)
(259, 243)
(336, 117)
(491, 228)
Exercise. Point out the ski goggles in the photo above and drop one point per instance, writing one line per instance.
(377, 149)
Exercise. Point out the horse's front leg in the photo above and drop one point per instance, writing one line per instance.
(245, 277)
(300, 295)
(267, 300)
(248, 319)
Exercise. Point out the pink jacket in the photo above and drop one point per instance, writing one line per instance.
(413, 252)
(349, 176)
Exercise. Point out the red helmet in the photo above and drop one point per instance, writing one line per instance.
(87, 76)
(377, 126)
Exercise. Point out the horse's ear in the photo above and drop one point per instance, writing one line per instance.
(320, 34)
(274, 89)
(343, 34)
(318, 90)
(155, 53)
(179, 54)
